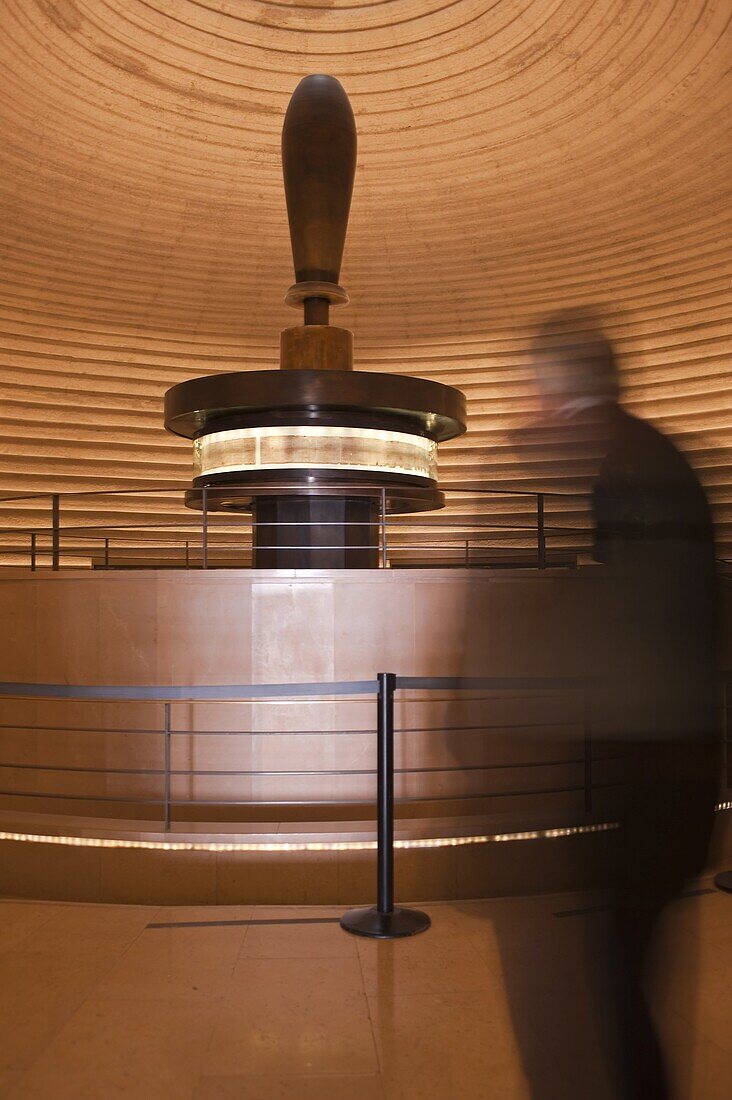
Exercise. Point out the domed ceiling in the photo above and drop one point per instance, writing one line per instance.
(515, 157)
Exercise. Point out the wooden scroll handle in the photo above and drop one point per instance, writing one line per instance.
(319, 164)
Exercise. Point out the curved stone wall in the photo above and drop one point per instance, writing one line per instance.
(307, 758)
(520, 751)
(480, 752)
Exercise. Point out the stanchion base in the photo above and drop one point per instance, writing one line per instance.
(385, 926)
(723, 881)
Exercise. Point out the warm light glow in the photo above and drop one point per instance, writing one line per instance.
(318, 846)
(305, 846)
(317, 447)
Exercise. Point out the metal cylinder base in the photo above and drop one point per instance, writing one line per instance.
(309, 532)
(385, 926)
(723, 881)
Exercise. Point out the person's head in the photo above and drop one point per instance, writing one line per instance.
(573, 361)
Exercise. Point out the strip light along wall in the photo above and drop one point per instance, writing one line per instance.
(246, 450)
(307, 846)
(319, 846)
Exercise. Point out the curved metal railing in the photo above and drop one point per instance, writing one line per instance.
(49, 532)
(168, 730)
(582, 763)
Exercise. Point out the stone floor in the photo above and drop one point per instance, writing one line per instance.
(269, 1003)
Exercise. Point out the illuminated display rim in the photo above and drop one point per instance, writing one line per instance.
(382, 451)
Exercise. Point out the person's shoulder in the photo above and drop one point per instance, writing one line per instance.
(650, 463)
(635, 434)
(628, 423)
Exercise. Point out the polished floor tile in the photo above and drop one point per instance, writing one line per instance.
(296, 1016)
(436, 961)
(445, 1045)
(289, 1087)
(20, 919)
(297, 932)
(41, 987)
(123, 1047)
(168, 963)
(9, 1078)
(278, 1003)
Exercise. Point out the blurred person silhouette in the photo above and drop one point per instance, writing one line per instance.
(651, 641)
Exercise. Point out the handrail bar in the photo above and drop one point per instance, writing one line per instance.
(271, 772)
(208, 692)
(184, 486)
(242, 692)
(184, 692)
(284, 733)
(168, 694)
(180, 522)
(124, 799)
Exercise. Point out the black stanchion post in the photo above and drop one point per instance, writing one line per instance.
(385, 921)
(385, 794)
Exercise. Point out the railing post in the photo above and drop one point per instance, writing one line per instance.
(540, 531)
(55, 531)
(106, 553)
(204, 527)
(467, 552)
(166, 792)
(587, 742)
(33, 551)
(188, 555)
(385, 921)
(384, 559)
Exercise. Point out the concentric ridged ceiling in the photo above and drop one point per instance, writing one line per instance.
(514, 157)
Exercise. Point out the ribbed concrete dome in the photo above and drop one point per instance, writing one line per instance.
(514, 157)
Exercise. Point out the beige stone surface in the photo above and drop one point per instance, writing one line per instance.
(239, 627)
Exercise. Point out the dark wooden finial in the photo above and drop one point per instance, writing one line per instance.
(319, 164)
